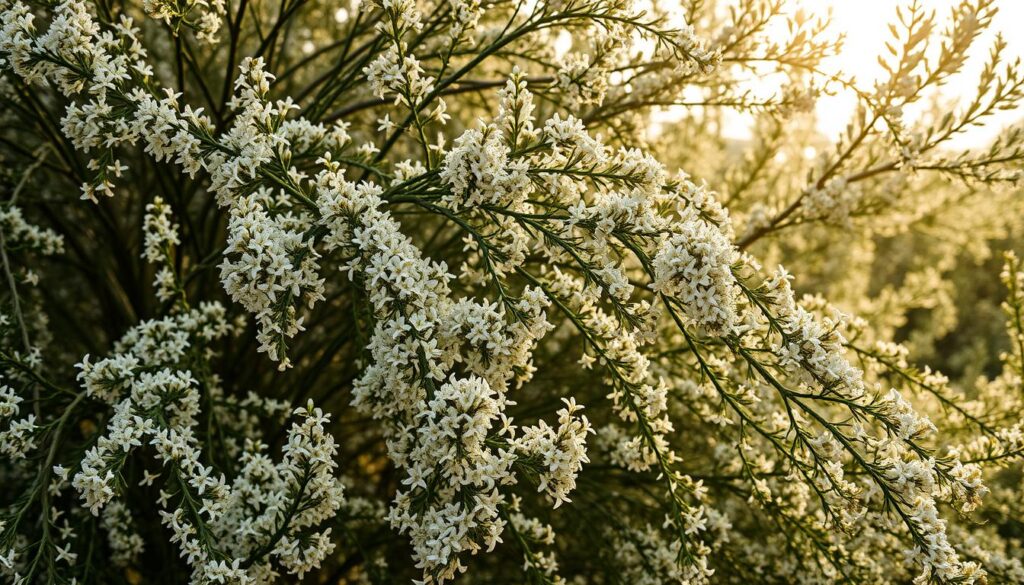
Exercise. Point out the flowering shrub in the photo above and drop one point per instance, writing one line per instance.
(400, 291)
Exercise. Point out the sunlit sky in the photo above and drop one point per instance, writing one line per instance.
(864, 24)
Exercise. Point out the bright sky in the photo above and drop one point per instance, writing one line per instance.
(864, 23)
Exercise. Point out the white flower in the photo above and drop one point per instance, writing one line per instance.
(18, 232)
(694, 266)
(479, 171)
(562, 451)
(20, 438)
(9, 401)
(160, 232)
(270, 268)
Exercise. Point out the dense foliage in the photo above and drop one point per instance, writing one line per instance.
(431, 290)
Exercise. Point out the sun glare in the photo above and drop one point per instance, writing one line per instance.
(863, 24)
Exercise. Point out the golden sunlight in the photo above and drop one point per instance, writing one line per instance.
(862, 23)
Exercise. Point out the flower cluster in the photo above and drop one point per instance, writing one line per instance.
(18, 233)
(179, 14)
(440, 427)
(161, 236)
(479, 172)
(269, 268)
(561, 451)
(695, 266)
(269, 511)
(160, 232)
(396, 70)
(18, 439)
